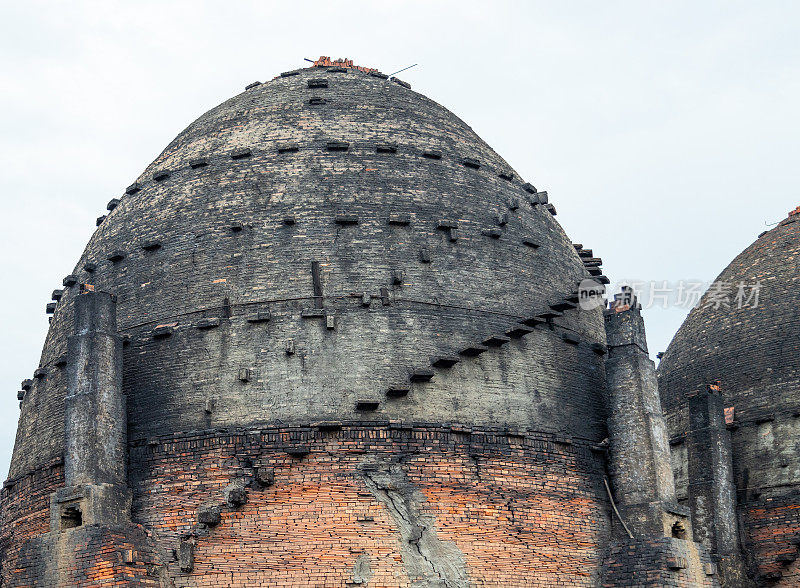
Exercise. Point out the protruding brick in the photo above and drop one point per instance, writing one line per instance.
(386, 148)
(397, 391)
(445, 361)
(207, 323)
(366, 404)
(570, 337)
(400, 218)
(421, 375)
(241, 153)
(161, 175)
(473, 350)
(235, 495)
(519, 331)
(209, 514)
(337, 145)
(265, 475)
(151, 245)
(163, 331)
(496, 340)
(260, 316)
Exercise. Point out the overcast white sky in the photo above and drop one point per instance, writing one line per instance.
(665, 132)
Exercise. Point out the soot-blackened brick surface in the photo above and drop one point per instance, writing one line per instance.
(226, 253)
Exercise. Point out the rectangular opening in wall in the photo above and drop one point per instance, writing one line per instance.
(71, 516)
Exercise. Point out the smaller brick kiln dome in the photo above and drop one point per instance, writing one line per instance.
(752, 352)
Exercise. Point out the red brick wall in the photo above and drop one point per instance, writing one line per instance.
(90, 556)
(25, 512)
(524, 511)
(773, 526)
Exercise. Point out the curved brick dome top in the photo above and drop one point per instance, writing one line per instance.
(746, 349)
(312, 249)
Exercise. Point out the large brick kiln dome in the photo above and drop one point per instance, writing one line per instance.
(419, 239)
(333, 279)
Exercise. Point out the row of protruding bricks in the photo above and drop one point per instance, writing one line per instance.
(161, 175)
(451, 226)
(519, 330)
(165, 330)
(332, 145)
(235, 495)
(591, 263)
(524, 327)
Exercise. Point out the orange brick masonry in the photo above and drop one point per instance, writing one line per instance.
(523, 509)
